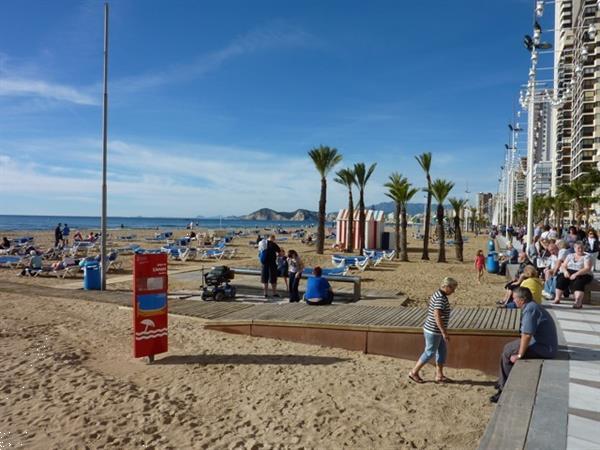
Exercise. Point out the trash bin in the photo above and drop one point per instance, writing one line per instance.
(491, 247)
(91, 276)
(492, 265)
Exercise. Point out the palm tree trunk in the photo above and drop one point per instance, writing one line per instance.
(321, 228)
(441, 234)
(361, 221)
(404, 238)
(458, 240)
(397, 229)
(425, 254)
(350, 235)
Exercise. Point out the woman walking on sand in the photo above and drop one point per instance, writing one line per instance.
(435, 331)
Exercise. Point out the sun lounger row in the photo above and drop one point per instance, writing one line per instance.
(329, 271)
(357, 261)
(388, 255)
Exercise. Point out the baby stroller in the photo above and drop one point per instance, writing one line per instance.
(216, 284)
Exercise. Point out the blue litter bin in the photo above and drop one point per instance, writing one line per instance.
(491, 264)
(91, 276)
(491, 247)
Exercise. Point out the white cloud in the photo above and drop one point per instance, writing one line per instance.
(40, 88)
(161, 180)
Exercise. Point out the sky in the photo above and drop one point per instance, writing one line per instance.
(213, 106)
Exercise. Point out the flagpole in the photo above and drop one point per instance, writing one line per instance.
(104, 152)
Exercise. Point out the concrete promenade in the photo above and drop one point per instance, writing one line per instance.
(580, 331)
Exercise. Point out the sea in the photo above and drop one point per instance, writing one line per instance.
(40, 223)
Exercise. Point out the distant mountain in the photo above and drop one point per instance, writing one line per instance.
(300, 215)
(389, 207)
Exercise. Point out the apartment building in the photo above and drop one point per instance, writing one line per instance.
(485, 205)
(563, 74)
(576, 122)
(585, 142)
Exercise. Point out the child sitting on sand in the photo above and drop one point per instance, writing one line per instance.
(479, 265)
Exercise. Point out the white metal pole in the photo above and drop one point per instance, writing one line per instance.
(508, 185)
(530, 127)
(104, 153)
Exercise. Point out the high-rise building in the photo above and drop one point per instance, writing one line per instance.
(576, 134)
(541, 139)
(542, 177)
(520, 182)
(485, 205)
(585, 143)
(561, 139)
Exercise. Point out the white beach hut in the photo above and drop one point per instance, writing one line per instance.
(374, 227)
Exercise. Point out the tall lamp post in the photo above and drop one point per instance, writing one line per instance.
(104, 154)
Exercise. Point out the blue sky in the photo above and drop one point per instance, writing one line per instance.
(214, 105)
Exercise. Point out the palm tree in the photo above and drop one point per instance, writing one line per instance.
(440, 190)
(345, 177)
(473, 213)
(458, 204)
(424, 161)
(405, 194)
(362, 175)
(395, 187)
(520, 213)
(325, 158)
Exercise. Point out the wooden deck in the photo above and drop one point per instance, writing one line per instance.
(463, 320)
(478, 334)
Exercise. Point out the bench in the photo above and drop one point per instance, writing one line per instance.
(356, 282)
(594, 286)
(533, 409)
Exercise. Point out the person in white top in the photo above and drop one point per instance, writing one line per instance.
(575, 273)
(558, 253)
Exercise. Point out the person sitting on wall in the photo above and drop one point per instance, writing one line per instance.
(538, 338)
(318, 289)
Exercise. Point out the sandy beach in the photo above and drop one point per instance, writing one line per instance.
(415, 279)
(69, 380)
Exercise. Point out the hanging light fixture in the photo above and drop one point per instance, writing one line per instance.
(539, 7)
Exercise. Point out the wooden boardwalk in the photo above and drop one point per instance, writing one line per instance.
(478, 334)
(462, 321)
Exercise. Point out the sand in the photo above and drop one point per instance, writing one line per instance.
(416, 279)
(68, 378)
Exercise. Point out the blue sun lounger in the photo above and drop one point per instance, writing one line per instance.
(329, 271)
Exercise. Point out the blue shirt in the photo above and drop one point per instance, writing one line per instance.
(538, 322)
(316, 287)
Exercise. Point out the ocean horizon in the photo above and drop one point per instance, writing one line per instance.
(42, 222)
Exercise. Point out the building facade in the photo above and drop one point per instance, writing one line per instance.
(485, 205)
(576, 140)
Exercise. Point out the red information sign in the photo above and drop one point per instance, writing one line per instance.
(150, 308)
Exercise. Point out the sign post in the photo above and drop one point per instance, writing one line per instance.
(150, 306)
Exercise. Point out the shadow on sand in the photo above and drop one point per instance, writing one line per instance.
(302, 360)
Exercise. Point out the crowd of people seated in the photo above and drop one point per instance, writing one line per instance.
(563, 262)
